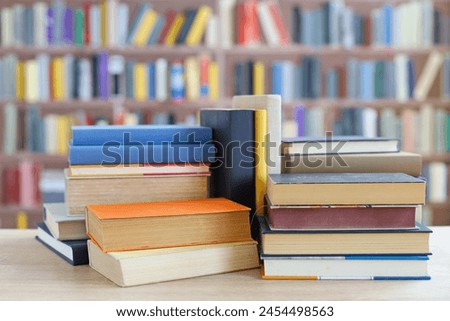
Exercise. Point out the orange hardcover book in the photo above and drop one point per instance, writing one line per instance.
(119, 227)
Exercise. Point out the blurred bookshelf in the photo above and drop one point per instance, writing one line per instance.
(66, 62)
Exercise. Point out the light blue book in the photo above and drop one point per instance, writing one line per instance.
(332, 83)
(157, 30)
(9, 129)
(277, 77)
(352, 68)
(367, 80)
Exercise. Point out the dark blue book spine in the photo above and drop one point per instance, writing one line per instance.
(131, 135)
(111, 154)
(190, 15)
(151, 80)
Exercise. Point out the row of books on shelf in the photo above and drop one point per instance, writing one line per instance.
(425, 130)
(107, 23)
(103, 76)
(333, 23)
(363, 79)
(34, 131)
(302, 233)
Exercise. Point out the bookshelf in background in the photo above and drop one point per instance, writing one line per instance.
(194, 49)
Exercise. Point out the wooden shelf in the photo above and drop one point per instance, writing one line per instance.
(377, 103)
(443, 205)
(441, 157)
(47, 160)
(367, 51)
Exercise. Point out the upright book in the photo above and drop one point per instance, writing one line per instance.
(116, 227)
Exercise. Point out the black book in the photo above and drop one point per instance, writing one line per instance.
(296, 24)
(73, 251)
(233, 173)
(95, 80)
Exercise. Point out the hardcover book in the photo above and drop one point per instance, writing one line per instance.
(130, 268)
(73, 251)
(344, 242)
(62, 225)
(345, 188)
(118, 227)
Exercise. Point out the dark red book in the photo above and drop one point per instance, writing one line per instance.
(342, 217)
(11, 185)
(87, 25)
(170, 17)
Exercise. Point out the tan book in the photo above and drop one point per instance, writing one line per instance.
(401, 162)
(62, 225)
(345, 188)
(132, 268)
(82, 191)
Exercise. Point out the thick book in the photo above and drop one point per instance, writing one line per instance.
(196, 169)
(75, 252)
(119, 227)
(350, 267)
(128, 135)
(345, 188)
(338, 145)
(62, 225)
(82, 191)
(130, 268)
(233, 174)
(344, 242)
(115, 153)
(401, 162)
(340, 217)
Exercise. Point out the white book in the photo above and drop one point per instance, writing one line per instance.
(401, 77)
(428, 23)
(426, 118)
(9, 129)
(94, 24)
(123, 16)
(369, 120)
(31, 81)
(290, 128)
(388, 126)
(428, 76)
(437, 184)
(335, 19)
(288, 81)
(272, 104)
(440, 131)
(85, 81)
(43, 62)
(161, 70)
(112, 30)
(212, 32)
(315, 122)
(7, 26)
(227, 10)
(374, 22)
(268, 26)
(415, 24)
(396, 25)
(348, 40)
(51, 134)
(40, 25)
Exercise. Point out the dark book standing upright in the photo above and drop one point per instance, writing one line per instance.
(233, 174)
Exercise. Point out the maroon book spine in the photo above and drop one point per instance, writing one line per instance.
(341, 217)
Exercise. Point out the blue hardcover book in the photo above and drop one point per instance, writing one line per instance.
(307, 22)
(115, 153)
(411, 78)
(74, 251)
(367, 80)
(387, 15)
(151, 80)
(352, 78)
(277, 77)
(332, 83)
(296, 24)
(140, 134)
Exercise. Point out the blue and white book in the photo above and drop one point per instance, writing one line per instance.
(350, 267)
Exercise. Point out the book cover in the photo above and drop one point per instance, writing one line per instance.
(115, 153)
(198, 27)
(74, 252)
(128, 135)
(232, 174)
(345, 188)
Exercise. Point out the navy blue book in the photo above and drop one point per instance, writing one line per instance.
(115, 153)
(233, 173)
(189, 19)
(140, 134)
(75, 251)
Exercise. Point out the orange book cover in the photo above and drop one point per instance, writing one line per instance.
(169, 208)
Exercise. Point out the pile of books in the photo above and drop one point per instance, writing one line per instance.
(140, 243)
(128, 164)
(346, 215)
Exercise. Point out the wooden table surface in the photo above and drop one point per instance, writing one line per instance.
(29, 271)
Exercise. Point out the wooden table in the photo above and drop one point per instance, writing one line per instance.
(29, 271)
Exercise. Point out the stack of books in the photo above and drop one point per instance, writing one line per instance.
(140, 243)
(64, 234)
(350, 214)
(129, 164)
